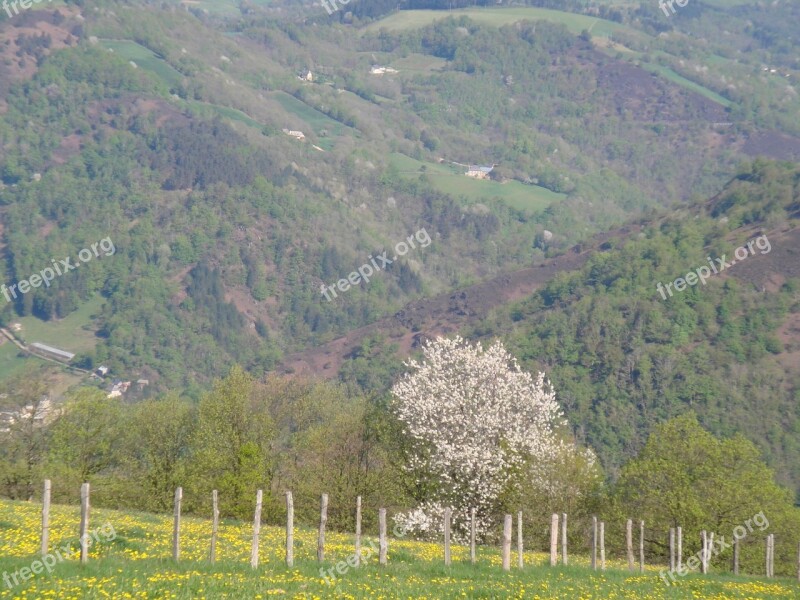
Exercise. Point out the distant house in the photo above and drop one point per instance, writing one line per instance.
(102, 371)
(53, 352)
(479, 171)
(118, 388)
(295, 134)
(28, 412)
(378, 70)
(306, 76)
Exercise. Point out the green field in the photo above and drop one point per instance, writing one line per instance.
(419, 62)
(11, 362)
(450, 179)
(144, 59)
(130, 557)
(221, 8)
(207, 109)
(317, 120)
(497, 17)
(674, 77)
(410, 19)
(74, 333)
(728, 3)
(717, 3)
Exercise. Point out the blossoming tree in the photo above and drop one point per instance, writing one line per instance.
(477, 424)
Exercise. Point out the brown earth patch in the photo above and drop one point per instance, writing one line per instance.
(643, 96)
(446, 313)
(773, 144)
(767, 272)
(18, 34)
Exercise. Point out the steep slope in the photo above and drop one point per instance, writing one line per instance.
(163, 130)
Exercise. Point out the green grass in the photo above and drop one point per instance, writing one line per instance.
(451, 179)
(315, 119)
(208, 109)
(728, 3)
(419, 62)
(220, 8)
(131, 558)
(411, 19)
(11, 362)
(149, 61)
(674, 77)
(497, 17)
(144, 59)
(74, 333)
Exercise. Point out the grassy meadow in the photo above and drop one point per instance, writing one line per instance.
(451, 179)
(600, 29)
(497, 17)
(144, 58)
(135, 563)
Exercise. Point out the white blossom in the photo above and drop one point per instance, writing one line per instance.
(475, 420)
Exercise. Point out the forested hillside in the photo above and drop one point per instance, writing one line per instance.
(172, 130)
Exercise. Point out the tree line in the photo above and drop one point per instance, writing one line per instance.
(463, 428)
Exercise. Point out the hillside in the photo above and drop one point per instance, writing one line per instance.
(544, 166)
(593, 319)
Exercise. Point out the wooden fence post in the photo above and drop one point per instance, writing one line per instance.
(735, 555)
(671, 548)
(710, 548)
(770, 553)
(602, 545)
(641, 546)
(472, 528)
(594, 543)
(507, 543)
(766, 558)
(629, 542)
(564, 538)
(520, 560)
(289, 530)
(214, 524)
(679, 558)
(447, 515)
(798, 562)
(84, 523)
(358, 531)
(553, 539)
(703, 552)
(384, 545)
(323, 520)
(256, 530)
(46, 517)
(176, 525)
